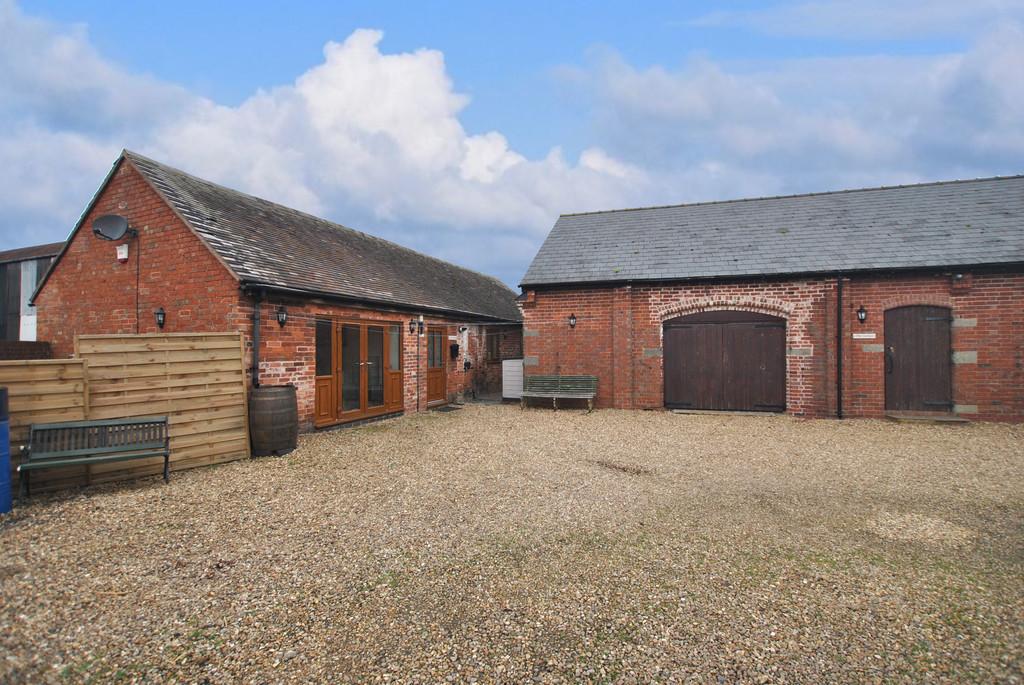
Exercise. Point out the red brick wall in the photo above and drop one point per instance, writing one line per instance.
(287, 355)
(988, 321)
(90, 292)
(618, 337)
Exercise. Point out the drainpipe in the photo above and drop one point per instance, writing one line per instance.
(256, 338)
(839, 346)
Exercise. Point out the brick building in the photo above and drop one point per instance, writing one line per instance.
(21, 270)
(363, 327)
(856, 303)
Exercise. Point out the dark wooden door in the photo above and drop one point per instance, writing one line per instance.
(918, 359)
(437, 372)
(725, 360)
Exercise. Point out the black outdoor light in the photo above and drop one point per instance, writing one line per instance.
(282, 316)
(419, 326)
(572, 321)
(862, 314)
(412, 326)
(161, 317)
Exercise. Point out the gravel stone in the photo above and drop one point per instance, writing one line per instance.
(499, 545)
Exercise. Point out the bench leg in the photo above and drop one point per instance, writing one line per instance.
(522, 403)
(23, 489)
(590, 405)
(554, 403)
(167, 464)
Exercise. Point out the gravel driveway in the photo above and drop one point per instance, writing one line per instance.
(500, 545)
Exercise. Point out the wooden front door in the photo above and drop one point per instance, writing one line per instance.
(358, 370)
(725, 360)
(918, 359)
(437, 367)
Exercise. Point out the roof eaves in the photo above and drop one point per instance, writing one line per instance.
(411, 306)
(773, 275)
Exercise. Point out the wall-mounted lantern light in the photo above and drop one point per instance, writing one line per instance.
(420, 327)
(282, 316)
(862, 314)
(161, 317)
(572, 321)
(412, 326)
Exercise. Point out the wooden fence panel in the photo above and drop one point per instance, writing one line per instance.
(196, 379)
(44, 391)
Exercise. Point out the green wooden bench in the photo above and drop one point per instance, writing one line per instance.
(74, 443)
(560, 387)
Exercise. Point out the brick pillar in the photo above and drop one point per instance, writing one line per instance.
(622, 348)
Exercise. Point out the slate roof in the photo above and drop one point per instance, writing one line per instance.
(268, 244)
(951, 223)
(22, 254)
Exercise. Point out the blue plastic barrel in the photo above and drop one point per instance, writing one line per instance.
(5, 454)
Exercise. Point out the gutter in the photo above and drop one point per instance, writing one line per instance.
(256, 297)
(839, 346)
(264, 288)
(614, 283)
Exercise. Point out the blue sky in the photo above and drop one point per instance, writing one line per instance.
(463, 129)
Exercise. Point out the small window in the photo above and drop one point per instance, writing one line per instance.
(435, 349)
(324, 348)
(395, 348)
(493, 347)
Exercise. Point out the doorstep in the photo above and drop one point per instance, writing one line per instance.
(924, 417)
(721, 412)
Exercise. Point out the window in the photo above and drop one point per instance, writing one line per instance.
(493, 347)
(324, 348)
(435, 349)
(395, 348)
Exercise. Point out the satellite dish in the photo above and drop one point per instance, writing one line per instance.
(110, 227)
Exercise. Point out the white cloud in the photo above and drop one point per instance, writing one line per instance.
(812, 123)
(381, 132)
(374, 139)
(367, 138)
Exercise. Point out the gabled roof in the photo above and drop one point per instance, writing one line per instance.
(270, 246)
(21, 254)
(952, 223)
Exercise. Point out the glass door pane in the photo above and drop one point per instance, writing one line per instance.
(350, 367)
(395, 346)
(374, 366)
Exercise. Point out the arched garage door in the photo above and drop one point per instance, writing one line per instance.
(725, 360)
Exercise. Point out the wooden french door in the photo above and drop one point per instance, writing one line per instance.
(917, 359)
(358, 370)
(437, 371)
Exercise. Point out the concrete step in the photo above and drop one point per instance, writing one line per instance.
(925, 417)
(717, 412)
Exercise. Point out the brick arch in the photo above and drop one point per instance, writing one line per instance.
(926, 300)
(761, 305)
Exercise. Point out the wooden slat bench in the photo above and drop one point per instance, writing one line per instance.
(560, 387)
(74, 443)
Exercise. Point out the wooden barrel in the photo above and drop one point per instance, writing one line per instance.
(273, 420)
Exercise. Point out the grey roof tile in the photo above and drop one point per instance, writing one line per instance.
(935, 224)
(271, 244)
(20, 254)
